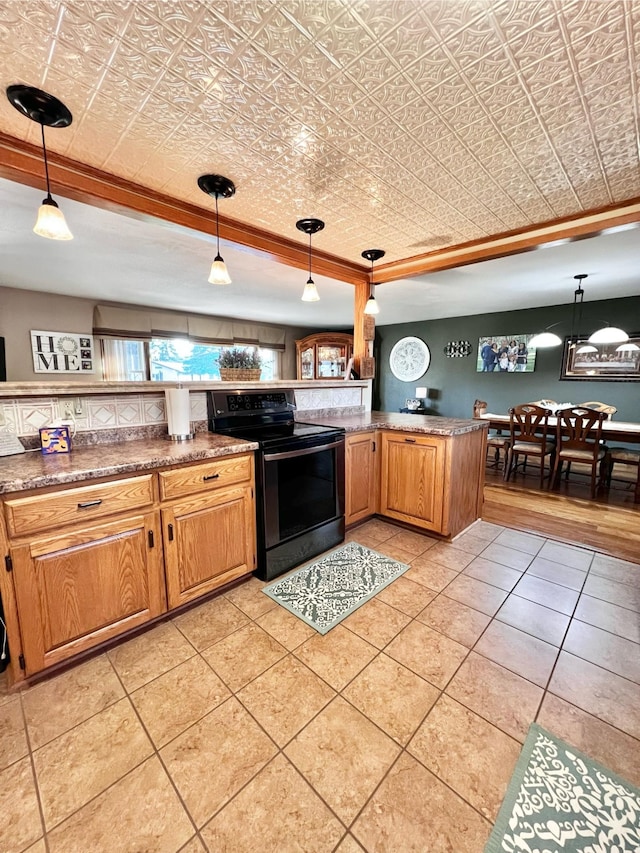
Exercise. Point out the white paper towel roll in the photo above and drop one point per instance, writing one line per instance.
(178, 411)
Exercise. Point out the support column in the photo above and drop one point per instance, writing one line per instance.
(363, 331)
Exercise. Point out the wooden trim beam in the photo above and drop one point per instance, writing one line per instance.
(512, 242)
(360, 345)
(22, 162)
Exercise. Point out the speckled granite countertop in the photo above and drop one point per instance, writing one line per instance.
(426, 424)
(33, 469)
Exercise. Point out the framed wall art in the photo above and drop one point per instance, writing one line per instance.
(62, 352)
(602, 362)
(409, 359)
(506, 354)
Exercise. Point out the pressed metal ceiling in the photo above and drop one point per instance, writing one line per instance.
(412, 125)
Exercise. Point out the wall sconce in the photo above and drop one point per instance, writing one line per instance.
(44, 109)
(219, 187)
(372, 255)
(310, 226)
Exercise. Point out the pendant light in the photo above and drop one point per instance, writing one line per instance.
(372, 255)
(219, 187)
(606, 335)
(44, 109)
(310, 226)
(544, 340)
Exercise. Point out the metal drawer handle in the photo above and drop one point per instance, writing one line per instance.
(211, 477)
(88, 504)
(410, 440)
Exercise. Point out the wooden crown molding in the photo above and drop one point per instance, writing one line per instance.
(512, 242)
(22, 162)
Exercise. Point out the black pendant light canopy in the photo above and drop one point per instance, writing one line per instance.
(45, 110)
(219, 187)
(310, 226)
(372, 255)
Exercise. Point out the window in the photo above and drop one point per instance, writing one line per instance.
(172, 360)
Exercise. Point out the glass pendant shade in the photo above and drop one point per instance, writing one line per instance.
(310, 292)
(586, 348)
(47, 111)
(608, 335)
(372, 306)
(310, 226)
(628, 347)
(219, 273)
(545, 339)
(51, 222)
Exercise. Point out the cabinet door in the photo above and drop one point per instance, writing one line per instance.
(83, 587)
(208, 541)
(361, 480)
(413, 479)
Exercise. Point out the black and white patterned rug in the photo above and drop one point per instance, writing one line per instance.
(324, 592)
(561, 801)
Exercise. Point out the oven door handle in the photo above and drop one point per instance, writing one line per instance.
(289, 454)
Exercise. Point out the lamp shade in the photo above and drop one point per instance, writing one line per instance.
(586, 348)
(51, 222)
(545, 339)
(372, 306)
(310, 292)
(628, 347)
(219, 273)
(608, 335)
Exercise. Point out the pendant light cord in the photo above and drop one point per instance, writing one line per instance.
(46, 164)
(310, 279)
(217, 229)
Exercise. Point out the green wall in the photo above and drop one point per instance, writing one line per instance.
(454, 384)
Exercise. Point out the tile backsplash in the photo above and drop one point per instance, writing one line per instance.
(106, 412)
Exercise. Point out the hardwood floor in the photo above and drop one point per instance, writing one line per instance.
(610, 523)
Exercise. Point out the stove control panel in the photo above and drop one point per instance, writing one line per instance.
(241, 402)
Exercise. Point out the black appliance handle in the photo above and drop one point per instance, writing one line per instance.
(289, 454)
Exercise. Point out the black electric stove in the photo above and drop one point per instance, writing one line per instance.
(299, 475)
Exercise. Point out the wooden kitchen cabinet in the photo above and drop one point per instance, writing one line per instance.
(209, 530)
(432, 481)
(361, 476)
(84, 586)
(209, 540)
(324, 356)
(92, 561)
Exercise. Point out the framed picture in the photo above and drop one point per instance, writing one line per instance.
(602, 362)
(61, 352)
(506, 354)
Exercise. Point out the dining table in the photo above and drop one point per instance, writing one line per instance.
(626, 432)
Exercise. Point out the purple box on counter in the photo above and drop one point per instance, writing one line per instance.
(55, 439)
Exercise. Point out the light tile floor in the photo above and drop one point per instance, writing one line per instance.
(235, 727)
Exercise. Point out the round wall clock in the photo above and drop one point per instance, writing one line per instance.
(409, 359)
(457, 349)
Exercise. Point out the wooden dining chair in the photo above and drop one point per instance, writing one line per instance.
(529, 435)
(497, 444)
(629, 458)
(579, 439)
(599, 407)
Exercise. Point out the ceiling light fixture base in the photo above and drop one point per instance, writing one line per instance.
(217, 186)
(373, 254)
(310, 226)
(39, 106)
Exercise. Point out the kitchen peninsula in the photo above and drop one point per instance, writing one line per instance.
(152, 525)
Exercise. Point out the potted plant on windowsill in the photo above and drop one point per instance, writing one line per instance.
(239, 365)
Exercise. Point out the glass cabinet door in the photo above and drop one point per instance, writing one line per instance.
(306, 363)
(331, 361)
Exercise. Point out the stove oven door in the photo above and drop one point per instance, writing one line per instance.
(303, 493)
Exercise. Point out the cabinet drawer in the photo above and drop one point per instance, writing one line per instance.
(43, 512)
(202, 478)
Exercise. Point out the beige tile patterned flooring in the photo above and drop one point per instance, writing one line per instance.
(235, 727)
